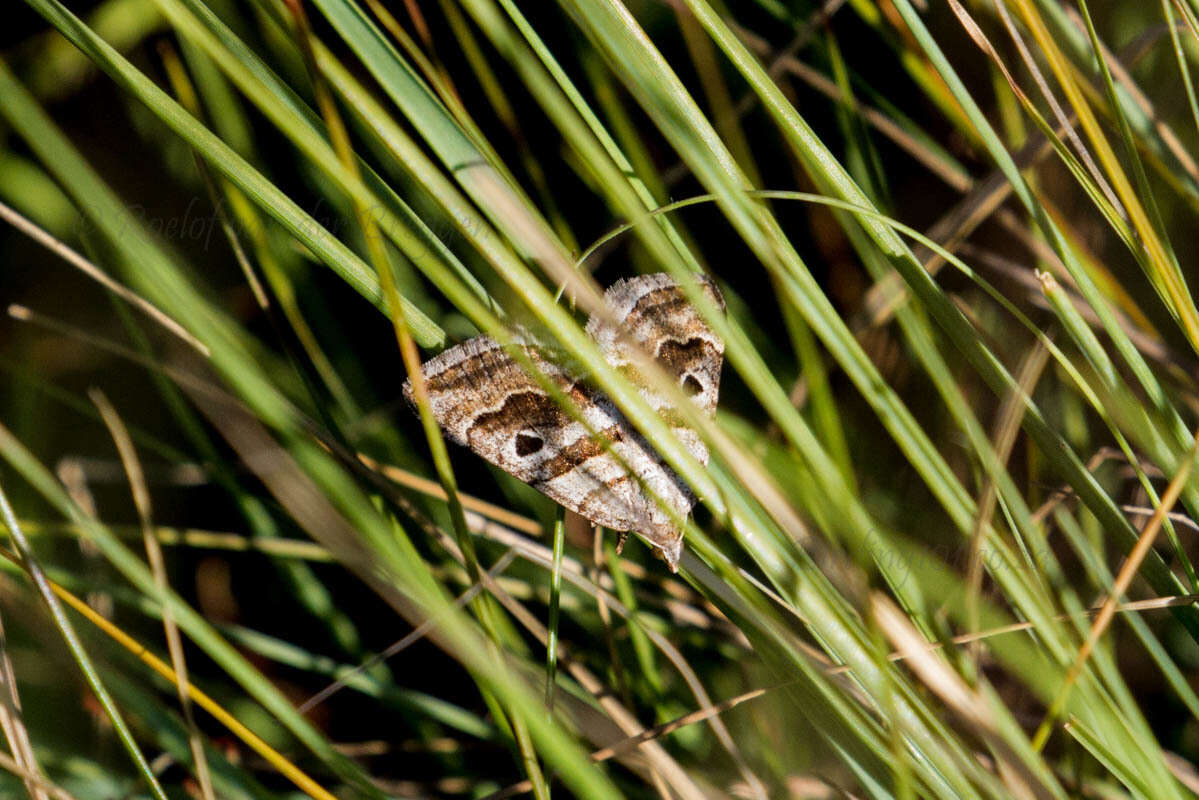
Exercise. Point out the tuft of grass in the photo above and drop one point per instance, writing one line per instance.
(944, 543)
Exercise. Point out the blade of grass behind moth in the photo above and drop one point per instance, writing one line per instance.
(560, 99)
(708, 68)
(616, 669)
(551, 644)
(78, 653)
(626, 140)
(861, 157)
(141, 501)
(411, 358)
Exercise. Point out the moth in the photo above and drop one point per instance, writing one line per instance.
(483, 399)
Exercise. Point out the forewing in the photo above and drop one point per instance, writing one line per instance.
(483, 399)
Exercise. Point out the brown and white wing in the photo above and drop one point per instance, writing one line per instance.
(653, 313)
(483, 399)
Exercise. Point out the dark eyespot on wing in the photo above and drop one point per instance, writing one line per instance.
(528, 443)
(680, 357)
(692, 386)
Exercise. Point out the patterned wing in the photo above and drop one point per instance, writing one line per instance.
(484, 400)
(654, 314)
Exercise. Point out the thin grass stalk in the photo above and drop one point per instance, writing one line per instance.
(141, 501)
(1163, 269)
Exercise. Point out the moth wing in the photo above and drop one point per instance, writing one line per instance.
(483, 399)
(653, 313)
